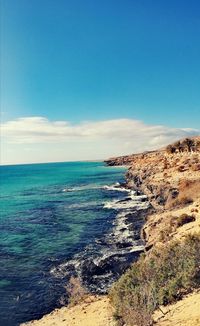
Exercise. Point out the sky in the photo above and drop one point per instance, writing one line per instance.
(92, 79)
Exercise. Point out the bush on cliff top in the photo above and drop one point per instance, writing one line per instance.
(159, 277)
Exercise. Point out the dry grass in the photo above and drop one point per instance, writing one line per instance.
(189, 191)
(171, 225)
(161, 276)
(77, 292)
(196, 167)
(185, 218)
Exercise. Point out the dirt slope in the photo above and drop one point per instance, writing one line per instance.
(95, 312)
(185, 312)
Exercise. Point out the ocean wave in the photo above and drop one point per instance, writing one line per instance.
(116, 187)
(131, 202)
(101, 262)
(84, 205)
(81, 188)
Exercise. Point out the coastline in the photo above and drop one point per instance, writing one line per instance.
(166, 205)
(55, 215)
(116, 249)
(99, 266)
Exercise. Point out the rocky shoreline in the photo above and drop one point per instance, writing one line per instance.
(101, 264)
(170, 178)
(163, 190)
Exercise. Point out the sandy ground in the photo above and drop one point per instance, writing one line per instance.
(96, 311)
(184, 313)
(159, 221)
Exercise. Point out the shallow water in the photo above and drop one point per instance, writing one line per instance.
(49, 213)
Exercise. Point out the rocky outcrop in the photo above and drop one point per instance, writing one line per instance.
(171, 181)
(127, 159)
(183, 146)
(159, 174)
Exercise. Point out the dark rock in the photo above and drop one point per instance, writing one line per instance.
(124, 244)
(98, 278)
(148, 247)
(125, 200)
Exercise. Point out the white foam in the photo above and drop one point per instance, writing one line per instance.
(60, 271)
(123, 238)
(131, 202)
(116, 187)
(83, 205)
(110, 252)
(81, 188)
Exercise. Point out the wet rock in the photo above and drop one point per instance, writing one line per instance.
(101, 263)
(124, 244)
(98, 278)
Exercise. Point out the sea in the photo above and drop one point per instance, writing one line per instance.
(53, 218)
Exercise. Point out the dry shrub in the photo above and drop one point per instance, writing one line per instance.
(180, 201)
(166, 233)
(196, 167)
(182, 168)
(189, 191)
(77, 292)
(171, 225)
(194, 210)
(186, 161)
(183, 200)
(168, 228)
(139, 314)
(185, 218)
(190, 188)
(160, 277)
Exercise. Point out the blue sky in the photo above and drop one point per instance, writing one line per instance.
(102, 60)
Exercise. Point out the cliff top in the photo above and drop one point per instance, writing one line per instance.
(182, 146)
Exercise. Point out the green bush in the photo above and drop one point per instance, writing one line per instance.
(159, 277)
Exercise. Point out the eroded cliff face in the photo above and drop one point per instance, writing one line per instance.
(171, 180)
(160, 174)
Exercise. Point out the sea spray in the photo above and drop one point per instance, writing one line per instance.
(102, 262)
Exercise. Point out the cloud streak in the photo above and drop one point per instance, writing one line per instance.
(40, 129)
(37, 139)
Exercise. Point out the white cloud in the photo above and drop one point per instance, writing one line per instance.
(39, 129)
(87, 139)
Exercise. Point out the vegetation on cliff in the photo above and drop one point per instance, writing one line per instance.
(186, 145)
(159, 277)
(170, 177)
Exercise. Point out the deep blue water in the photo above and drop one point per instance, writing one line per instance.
(49, 212)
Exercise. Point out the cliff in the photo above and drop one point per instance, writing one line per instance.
(160, 174)
(170, 177)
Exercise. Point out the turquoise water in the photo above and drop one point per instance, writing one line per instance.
(49, 212)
